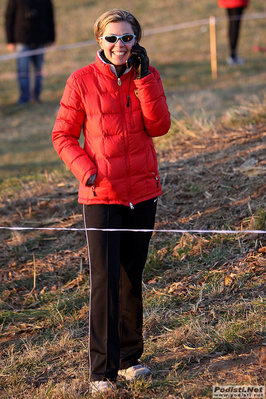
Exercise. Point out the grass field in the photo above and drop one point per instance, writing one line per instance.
(204, 294)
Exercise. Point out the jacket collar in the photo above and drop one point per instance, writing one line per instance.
(105, 66)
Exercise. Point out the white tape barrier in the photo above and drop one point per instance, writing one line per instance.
(70, 46)
(148, 32)
(172, 231)
(200, 22)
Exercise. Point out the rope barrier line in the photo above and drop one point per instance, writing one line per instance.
(182, 25)
(172, 231)
(44, 50)
(148, 32)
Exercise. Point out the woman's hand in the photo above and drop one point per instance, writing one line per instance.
(141, 61)
(11, 47)
(91, 180)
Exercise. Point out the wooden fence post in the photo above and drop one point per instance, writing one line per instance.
(212, 24)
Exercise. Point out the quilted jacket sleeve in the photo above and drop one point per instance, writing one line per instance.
(66, 133)
(154, 108)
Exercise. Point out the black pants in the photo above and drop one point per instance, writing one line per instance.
(117, 260)
(234, 15)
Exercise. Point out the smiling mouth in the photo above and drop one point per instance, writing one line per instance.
(119, 53)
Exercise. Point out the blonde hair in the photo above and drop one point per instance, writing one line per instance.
(116, 15)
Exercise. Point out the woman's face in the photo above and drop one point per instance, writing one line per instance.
(119, 52)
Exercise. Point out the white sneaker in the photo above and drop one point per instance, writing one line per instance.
(135, 372)
(234, 61)
(97, 387)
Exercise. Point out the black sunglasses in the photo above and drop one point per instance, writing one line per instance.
(127, 38)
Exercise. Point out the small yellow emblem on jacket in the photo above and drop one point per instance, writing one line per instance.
(136, 93)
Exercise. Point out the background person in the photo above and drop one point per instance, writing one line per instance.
(120, 103)
(29, 26)
(235, 10)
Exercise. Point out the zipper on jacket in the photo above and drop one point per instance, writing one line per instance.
(122, 101)
(93, 190)
(128, 95)
(119, 82)
(156, 179)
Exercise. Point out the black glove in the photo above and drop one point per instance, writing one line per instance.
(141, 61)
(91, 180)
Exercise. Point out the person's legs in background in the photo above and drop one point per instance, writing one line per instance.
(37, 60)
(234, 23)
(23, 70)
(23, 74)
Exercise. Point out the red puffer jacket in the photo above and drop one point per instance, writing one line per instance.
(233, 3)
(119, 117)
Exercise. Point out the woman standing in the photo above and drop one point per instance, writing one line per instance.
(235, 10)
(120, 103)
